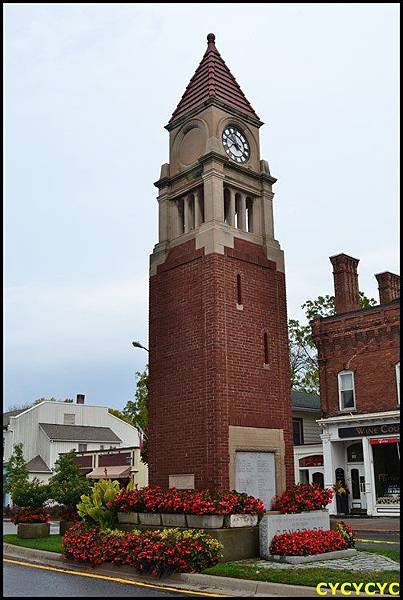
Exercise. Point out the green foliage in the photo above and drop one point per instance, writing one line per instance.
(93, 507)
(51, 543)
(17, 472)
(30, 494)
(137, 410)
(67, 485)
(303, 356)
(24, 493)
(117, 413)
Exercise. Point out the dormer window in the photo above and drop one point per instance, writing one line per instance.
(346, 390)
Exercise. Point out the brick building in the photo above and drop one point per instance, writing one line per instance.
(220, 408)
(359, 366)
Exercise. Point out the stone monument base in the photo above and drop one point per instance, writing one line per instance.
(238, 542)
(298, 560)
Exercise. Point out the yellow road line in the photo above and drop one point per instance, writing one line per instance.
(377, 541)
(118, 579)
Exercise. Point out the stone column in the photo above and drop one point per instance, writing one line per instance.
(198, 208)
(328, 469)
(369, 477)
(242, 213)
(188, 212)
(267, 200)
(163, 208)
(232, 207)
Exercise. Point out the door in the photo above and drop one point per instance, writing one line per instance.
(358, 497)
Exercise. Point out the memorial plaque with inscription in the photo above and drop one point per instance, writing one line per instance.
(255, 474)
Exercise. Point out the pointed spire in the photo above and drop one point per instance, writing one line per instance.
(212, 79)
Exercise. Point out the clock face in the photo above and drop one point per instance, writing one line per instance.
(235, 144)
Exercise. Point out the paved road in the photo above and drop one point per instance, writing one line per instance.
(21, 581)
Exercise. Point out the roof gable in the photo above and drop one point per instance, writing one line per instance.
(213, 79)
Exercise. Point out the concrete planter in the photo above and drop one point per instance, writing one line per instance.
(173, 520)
(240, 520)
(33, 530)
(150, 518)
(205, 521)
(298, 560)
(65, 525)
(128, 517)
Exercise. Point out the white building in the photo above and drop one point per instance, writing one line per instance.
(52, 428)
(308, 450)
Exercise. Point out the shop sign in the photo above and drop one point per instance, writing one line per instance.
(391, 440)
(362, 431)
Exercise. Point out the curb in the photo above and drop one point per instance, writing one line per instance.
(187, 581)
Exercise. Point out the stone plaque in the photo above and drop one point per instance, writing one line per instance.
(275, 524)
(182, 482)
(255, 474)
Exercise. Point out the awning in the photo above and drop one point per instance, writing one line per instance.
(390, 440)
(121, 472)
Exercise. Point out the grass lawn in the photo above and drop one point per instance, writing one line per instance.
(51, 543)
(309, 577)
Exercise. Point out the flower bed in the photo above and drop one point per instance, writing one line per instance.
(158, 553)
(305, 543)
(193, 502)
(302, 498)
(29, 515)
(346, 533)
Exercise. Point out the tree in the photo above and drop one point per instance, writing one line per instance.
(137, 410)
(23, 492)
(303, 356)
(17, 472)
(67, 485)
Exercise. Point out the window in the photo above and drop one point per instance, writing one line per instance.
(101, 447)
(82, 447)
(298, 431)
(69, 419)
(266, 348)
(398, 382)
(238, 290)
(355, 453)
(346, 390)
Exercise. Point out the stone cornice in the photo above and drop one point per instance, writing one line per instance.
(213, 101)
(195, 170)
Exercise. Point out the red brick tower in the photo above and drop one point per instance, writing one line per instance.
(220, 407)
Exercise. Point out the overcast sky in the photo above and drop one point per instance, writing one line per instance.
(88, 90)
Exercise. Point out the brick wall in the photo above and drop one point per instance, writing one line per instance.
(366, 342)
(206, 359)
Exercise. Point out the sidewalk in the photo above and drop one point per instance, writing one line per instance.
(372, 524)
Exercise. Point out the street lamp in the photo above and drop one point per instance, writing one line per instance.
(138, 345)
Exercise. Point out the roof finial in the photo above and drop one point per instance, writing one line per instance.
(211, 38)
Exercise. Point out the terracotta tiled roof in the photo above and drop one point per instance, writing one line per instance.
(212, 79)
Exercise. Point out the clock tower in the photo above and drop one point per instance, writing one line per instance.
(220, 399)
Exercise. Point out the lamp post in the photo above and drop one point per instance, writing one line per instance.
(138, 345)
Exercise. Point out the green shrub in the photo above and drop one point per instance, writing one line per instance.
(93, 507)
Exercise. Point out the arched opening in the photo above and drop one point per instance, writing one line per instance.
(249, 214)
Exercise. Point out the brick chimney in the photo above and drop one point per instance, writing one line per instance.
(345, 275)
(80, 398)
(389, 286)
